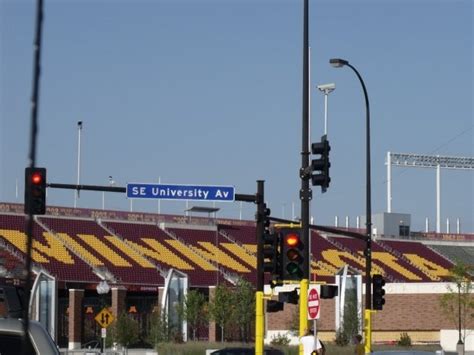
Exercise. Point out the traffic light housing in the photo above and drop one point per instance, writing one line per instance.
(271, 255)
(274, 306)
(320, 166)
(289, 297)
(328, 291)
(378, 292)
(292, 254)
(35, 191)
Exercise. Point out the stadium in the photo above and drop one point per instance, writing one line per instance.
(133, 253)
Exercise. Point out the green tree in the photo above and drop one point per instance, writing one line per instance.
(125, 330)
(158, 329)
(194, 310)
(458, 303)
(221, 309)
(351, 320)
(244, 308)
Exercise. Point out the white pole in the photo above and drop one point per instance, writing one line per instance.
(159, 201)
(240, 211)
(458, 226)
(131, 205)
(447, 225)
(326, 89)
(326, 112)
(427, 225)
(358, 222)
(389, 183)
(336, 221)
(438, 198)
(347, 221)
(79, 129)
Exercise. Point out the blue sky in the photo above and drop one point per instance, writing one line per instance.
(209, 92)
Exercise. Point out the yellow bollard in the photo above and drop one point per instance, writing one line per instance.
(303, 310)
(368, 330)
(259, 323)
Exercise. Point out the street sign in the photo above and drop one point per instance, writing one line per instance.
(104, 318)
(181, 192)
(313, 304)
(103, 332)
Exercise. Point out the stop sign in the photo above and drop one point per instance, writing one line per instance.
(313, 304)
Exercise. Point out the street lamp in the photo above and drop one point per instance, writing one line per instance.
(326, 89)
(460, 344)
(339, 63)
(102, 289)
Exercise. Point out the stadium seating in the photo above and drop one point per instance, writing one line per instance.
(400, 269)
(157, 245)
(97, 248)
(455, 253)
(140, 252)
(47, 251)
(424, 258)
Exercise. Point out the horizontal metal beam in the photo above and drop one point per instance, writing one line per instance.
(431, 161)
(337, 231)
(246, 198)
(87, 187)
(238, 197)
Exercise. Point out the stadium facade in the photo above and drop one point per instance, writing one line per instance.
(134, 252)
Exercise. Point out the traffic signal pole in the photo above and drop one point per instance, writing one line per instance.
(305, 192)
(32, 164)
(259, 301)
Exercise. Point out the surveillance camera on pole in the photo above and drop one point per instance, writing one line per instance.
(327, 88)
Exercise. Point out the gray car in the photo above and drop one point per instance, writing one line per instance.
(11, 338)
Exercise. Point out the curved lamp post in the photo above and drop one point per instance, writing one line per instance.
(339, 63)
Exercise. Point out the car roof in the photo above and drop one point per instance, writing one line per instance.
(40, 339)
(402, 352)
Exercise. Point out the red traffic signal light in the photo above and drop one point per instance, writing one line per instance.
(35, 191)
(36, 178)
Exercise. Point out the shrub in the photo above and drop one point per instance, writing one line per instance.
(404, 340)
(125, 331)
(280, 340)
(342, 338)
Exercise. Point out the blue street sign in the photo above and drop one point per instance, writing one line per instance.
(181, 192)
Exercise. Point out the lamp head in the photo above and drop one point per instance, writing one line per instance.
(338, 63)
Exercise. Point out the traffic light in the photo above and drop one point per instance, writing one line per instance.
(289, 297)
(274, 306)
(291, 251)
(322, 164)
(266, 219)
(328, 291)
(271, 254)
(35, 191)
(378, 292)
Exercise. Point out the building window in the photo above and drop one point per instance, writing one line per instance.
(404, 231)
